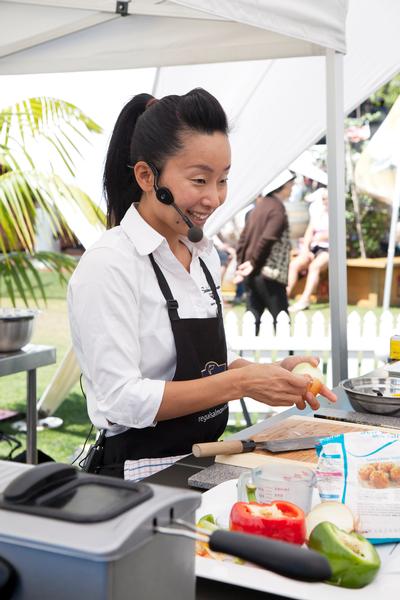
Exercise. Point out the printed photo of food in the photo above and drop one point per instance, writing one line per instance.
(380, 475)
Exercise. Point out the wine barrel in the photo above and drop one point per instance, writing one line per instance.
(298, 217)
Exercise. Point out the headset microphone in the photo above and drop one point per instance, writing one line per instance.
(164, 195)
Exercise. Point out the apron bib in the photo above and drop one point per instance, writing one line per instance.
(200, 352)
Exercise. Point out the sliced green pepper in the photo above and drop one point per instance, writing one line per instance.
(208, 522)
(353, 559)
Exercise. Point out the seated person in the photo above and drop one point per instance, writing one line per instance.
(226, 253)
(313, 256)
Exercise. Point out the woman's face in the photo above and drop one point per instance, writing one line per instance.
(197, 177)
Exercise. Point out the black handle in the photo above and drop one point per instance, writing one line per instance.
(283, 558)
(36, 481)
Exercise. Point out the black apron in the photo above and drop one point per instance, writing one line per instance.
(200, 352)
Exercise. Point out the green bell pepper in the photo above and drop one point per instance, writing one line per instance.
(208, 522)
(353, 559)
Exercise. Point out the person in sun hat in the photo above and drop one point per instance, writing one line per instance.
(263, 251)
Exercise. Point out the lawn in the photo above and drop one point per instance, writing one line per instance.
(52, 329)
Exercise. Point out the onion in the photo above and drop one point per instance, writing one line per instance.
(306, 368)
(334, 512)
(316, 374)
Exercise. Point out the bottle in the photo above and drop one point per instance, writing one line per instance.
(394, 352)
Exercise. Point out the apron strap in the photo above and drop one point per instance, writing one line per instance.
(172, 304)
(211, 283)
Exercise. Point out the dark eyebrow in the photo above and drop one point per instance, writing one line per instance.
(206, 168)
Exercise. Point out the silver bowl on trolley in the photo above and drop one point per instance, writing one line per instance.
(16, 328)
(377, 395)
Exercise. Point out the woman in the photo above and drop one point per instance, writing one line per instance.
(263, 251)
(314, 254)
(145, 311)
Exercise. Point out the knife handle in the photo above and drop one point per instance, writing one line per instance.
(279, 557)
(214, 448)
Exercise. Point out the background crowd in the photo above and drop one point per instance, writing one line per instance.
(264, 257)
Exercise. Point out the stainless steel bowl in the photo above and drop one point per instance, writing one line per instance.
(373, 394)
(16, 328)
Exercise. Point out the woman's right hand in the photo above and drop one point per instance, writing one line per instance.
(276, 386)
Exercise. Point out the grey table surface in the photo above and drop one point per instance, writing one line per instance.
(29, 358)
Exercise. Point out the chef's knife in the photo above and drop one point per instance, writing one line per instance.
(240, 446)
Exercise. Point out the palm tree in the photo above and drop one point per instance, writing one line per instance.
(39, 138)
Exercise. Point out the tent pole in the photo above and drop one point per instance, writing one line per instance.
(392, 242)
(155, 83)
(337, 219)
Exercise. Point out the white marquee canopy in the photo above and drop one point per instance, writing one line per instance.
(277, 106)
(45, 36)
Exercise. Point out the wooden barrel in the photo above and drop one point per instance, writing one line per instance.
(298, 217)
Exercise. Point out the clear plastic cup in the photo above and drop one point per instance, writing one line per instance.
(279, 481)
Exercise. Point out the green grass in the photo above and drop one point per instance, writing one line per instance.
(52, 329)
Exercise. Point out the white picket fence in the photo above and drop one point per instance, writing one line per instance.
(309, 334)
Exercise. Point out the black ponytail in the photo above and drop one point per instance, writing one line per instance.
(152, 130)
(119, 184)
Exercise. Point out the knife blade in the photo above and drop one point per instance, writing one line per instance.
(241, 446)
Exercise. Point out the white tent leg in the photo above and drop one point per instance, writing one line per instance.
(392, 242)
(337, 219)
(66, 376)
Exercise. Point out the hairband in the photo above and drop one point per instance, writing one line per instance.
(150, 102)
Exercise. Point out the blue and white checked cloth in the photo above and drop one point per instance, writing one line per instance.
(135, 470)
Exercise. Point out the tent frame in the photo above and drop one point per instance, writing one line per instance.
(337, 214)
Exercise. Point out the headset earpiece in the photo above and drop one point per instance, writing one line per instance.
(164, 195)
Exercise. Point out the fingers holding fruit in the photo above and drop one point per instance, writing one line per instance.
(327, 393)
(277, 385)
(311, 400)
(301, 404)
(316, 385)
(291, 362)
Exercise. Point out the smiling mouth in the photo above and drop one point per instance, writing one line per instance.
(198, 217)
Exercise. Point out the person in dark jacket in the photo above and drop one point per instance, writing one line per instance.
(263, 251)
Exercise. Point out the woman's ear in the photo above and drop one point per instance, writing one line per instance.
(144, 176)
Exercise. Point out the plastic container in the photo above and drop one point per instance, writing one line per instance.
(279, 481)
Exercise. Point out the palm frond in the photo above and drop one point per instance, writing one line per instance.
(37, 135)
(50, 121)
(20, 274)
(22, 192)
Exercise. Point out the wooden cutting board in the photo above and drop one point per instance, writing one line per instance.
(295, 426)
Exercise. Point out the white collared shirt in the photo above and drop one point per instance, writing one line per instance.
(120, 327)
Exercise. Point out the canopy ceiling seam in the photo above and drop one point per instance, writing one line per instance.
(253, 90)
(56, 34)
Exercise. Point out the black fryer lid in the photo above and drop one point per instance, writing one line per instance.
(60, 491)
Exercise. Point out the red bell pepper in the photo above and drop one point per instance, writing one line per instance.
(280, 520)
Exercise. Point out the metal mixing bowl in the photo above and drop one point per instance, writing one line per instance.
(374, 394)
(16, 328)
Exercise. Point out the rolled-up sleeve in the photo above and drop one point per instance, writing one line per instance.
(104, 315)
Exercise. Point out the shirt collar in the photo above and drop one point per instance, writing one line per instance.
(146, 239)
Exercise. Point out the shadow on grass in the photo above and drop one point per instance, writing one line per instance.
(60, 443)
